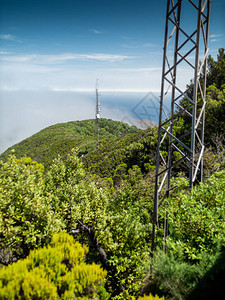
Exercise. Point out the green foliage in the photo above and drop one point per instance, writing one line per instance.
(196, 238)
(73, 196)
(216, 74)
(120, 218)
(211, 285)
(54, 272)
(25, 219)
(34, 205)
(57, 199)
(128, 230)
(151, 297)
(197, 218)
(109, 195)
(131, 149)
(174, 278)
(215, 112)
(214, 157)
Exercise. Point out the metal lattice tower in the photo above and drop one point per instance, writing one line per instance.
(185, 48)
(97, 115)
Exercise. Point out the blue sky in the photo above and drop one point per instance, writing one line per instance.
(52, 48)
(67, 44)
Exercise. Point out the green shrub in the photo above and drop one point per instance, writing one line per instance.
(196, 219)
(54, 272)
(151, 297)
(173, 277)
(26, 221)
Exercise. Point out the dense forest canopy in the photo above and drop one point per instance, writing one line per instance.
(79, 224)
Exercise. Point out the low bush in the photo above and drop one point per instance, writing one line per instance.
(54, 272)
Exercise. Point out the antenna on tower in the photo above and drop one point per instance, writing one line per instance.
(97, 115)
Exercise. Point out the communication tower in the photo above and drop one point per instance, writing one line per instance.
(185, 49)
(97, 115)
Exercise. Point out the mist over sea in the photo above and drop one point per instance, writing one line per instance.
(23, 113)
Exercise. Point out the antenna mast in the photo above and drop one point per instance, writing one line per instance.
(97, 115)
(183, 38)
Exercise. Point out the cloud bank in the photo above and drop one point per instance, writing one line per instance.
(62, 58)
(75, 71)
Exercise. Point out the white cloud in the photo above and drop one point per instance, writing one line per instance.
(133, 45)
(76, 72)
(130, 46)
(64, 57)
(5, 53)
(26, 75)
(96, 31)
(9, 37)
(136, 70)
(29, 76)
(217, 37)
(148, 45)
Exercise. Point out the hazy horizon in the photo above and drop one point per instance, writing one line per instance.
(22, 117)
(50, 52)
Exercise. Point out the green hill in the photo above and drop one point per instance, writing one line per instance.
(122, 146)
(59, 139)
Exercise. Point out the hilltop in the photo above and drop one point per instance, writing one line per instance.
(59, 139)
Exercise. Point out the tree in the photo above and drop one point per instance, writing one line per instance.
(216, 73)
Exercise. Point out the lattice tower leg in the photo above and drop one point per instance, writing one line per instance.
(186, 41)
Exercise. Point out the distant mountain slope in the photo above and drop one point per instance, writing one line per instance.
(59, 139)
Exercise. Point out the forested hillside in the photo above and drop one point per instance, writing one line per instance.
(104, 200)
(59, 139)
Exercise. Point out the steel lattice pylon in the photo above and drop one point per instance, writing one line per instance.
(185, 45)
(97, 115)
